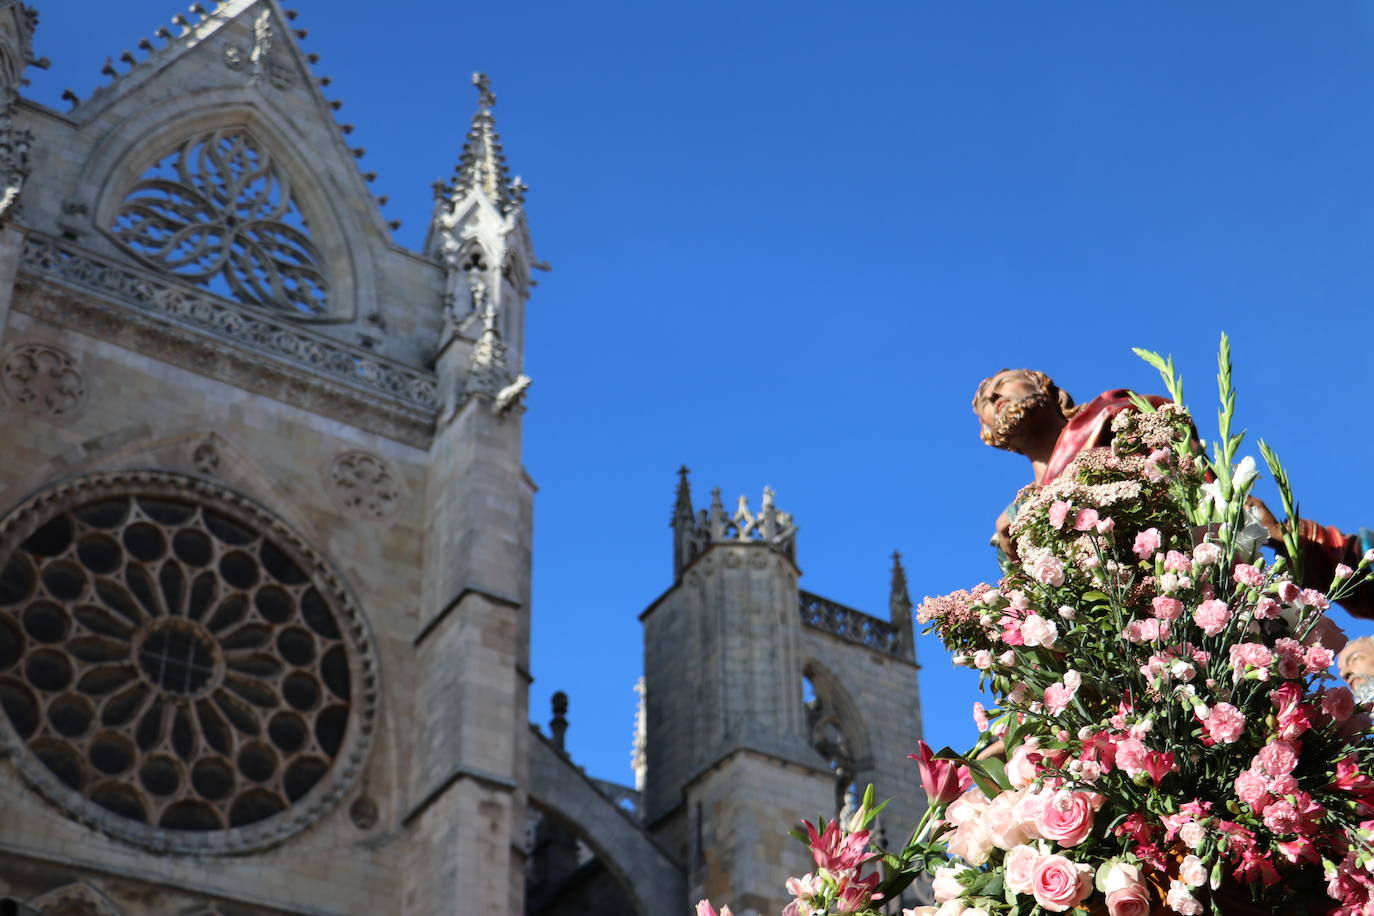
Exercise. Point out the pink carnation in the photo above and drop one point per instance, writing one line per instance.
(1147, 630)
(1059, 510)
(1085, 520)
(1224, 724)
(1131, 756)
(1277, 758)
(1245, 574)
(1266, 608)
(1146, 543)
(1047, 569)
(1206, 553)
(1251, 655)
(1176, 562)
(1212, 616)
(1318, 658)
(1057, 698)
(1037, 631)
(1167, 608)
(1338, 703)
(1252, 787)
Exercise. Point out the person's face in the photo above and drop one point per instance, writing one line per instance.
(1007, 388)
(1358, 659)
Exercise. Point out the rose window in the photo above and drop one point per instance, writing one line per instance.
(176, 664)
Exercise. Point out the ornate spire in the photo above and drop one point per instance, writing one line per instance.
(682, 509)
(899, 599)
(482, 167)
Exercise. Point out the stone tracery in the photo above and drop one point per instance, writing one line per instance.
(218, 210)
(166, 660)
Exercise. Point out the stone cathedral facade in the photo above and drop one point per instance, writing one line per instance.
(265, 542)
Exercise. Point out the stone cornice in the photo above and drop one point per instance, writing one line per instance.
(225, 341)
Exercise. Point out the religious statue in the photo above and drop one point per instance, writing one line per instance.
(1023, 411)
(1356, 664)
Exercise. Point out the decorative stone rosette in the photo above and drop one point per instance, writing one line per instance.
(177, 668)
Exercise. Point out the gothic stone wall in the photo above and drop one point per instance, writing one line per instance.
(138, 412)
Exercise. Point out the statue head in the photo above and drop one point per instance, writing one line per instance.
(1006, 402)
(1357, 658)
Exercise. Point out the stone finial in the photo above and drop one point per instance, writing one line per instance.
(899, 598)
(682, 508)
(558, 725)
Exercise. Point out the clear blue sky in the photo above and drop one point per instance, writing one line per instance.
(789, 238)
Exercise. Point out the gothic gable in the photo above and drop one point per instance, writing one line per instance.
(224, 167)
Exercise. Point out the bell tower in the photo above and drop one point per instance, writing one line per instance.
(765, 704)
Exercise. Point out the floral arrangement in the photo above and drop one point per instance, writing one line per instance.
(1164, 738)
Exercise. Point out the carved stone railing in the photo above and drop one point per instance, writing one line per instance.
(845, 622)
(222, 318)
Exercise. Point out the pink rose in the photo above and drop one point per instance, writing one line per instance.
(1068, 818)
(1003, 823)
(1146, 543)
(1212, 616)
(1225, 723)
(1207, 553)
(1133, 900)
(946, 885)
(1059, 510)
(1059, 884)
(1019, 868)
(1278, 758)
(1022, 769)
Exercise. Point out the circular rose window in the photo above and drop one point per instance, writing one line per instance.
(176, 667)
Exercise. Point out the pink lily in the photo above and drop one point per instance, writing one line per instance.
(943, 780)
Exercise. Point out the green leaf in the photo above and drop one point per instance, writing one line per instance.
(996, 770)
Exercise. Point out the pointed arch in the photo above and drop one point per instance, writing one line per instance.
(836, 730)
(123, 158)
